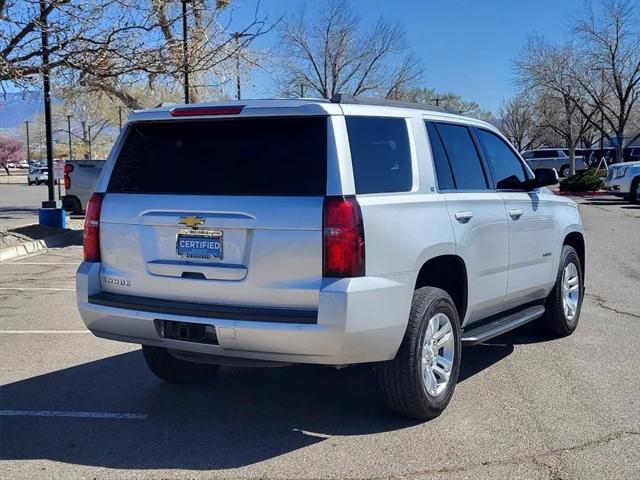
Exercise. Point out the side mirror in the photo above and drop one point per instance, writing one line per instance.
(546, 176)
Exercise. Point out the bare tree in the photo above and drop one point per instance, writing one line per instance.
(335, 54)
(114, 46)
(518, 122)
(547, 72)
(609, 71)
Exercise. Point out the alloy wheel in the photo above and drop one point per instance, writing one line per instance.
(570, 291)
(437, 354)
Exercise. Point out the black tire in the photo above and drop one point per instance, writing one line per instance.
(401, 381)
(555, 320)
(565, 171)
(72, 204)
(29, 182)
(634, 192)
(173, 370)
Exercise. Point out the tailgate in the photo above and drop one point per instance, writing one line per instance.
(219, 212)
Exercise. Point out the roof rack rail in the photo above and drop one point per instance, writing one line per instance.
(383, 102)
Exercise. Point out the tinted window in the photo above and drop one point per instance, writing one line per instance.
(463, 157)
(527, 155)
(260, 156)
(443, 170)
(380, 154)
(545, 154)
(508, 172)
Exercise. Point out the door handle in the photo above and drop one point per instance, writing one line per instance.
(464, 217)
(516, 213)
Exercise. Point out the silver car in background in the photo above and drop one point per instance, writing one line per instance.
(557, 158)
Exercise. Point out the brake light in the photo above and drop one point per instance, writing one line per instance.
(68, 168)
(91, 237)
(194, 111)
(343, 238)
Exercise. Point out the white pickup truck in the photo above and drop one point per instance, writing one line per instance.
(80, 177)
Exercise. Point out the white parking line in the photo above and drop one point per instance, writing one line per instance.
(53, 289)
(54, 413)
(43, 263)
(42, 331)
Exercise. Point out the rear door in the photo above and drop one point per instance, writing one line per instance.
(225, 211)
(477, 215)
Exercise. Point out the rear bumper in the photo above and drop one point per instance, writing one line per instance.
(358, 320)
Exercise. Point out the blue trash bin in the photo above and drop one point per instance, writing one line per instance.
(54, 217)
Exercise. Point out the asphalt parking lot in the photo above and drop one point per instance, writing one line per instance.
(19, 202)
(74, 406)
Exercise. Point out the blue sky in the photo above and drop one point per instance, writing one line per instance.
(464, 46)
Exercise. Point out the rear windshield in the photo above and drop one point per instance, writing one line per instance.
(258, 156)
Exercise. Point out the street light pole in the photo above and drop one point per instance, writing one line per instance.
(28, 143)
(237, 69)
(236, 37)
(601, 112)
(69, 132)
(120, 117)
(185, 51)
(89, 137)
(437, 100)
(47, 97)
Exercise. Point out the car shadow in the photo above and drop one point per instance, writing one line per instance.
(246, 416)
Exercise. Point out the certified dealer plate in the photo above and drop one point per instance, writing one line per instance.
(205, 244)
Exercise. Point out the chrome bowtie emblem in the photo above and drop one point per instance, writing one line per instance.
(192, 222)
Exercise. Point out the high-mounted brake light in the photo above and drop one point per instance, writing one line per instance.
(91, 237)
(195, 111)
(343, 238)
(68, 168)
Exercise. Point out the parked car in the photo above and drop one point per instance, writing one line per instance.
(80, 177)
(552, 158)
(610, 155)
(271, 232)
(623, 180)
(38, 176)
(632, 154)
(23, 164)
(584, 153)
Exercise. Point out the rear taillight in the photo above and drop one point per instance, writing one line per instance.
(91, 238)
(68, 168)
(343, 234)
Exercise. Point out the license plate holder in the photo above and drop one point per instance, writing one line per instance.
(199, 244)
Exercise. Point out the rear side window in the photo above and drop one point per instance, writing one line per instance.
(380, 154)
(257, 156)
(443, 169)
(466, 166)
(508, 172)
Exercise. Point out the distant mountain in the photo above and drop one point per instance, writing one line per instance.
(17, 107)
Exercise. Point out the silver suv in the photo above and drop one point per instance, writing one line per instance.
(557, 158)
(272, 232)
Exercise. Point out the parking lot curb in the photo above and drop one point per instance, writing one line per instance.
(27, 248)
(581, 194)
